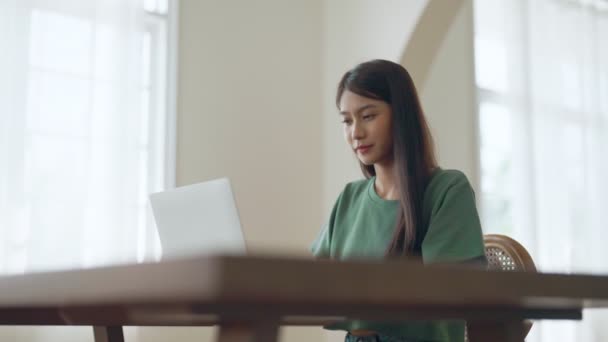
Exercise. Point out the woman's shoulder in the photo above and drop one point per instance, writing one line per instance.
(357, 184)
(447, 177)
(444, 180)
(354, 191)
(356, 188)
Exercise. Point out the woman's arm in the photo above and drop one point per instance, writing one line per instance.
(454, 231)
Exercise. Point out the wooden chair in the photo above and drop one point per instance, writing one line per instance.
(505, 254)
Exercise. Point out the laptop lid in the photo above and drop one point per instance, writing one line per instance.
(198, 219)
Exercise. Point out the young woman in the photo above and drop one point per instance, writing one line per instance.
(406, 205)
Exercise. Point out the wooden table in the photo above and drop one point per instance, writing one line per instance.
(250, 297)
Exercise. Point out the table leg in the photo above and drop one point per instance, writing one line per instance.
(108, 334)
(492, 331)
(258, 331)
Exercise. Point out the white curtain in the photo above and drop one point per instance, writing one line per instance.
(81, 141)
(82, 137)
(542, 73)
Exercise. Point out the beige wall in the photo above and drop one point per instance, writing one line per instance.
(356, 31)
(448, 87)
(434, 41)
(248, 108)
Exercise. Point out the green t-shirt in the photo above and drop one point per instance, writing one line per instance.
(362, 224)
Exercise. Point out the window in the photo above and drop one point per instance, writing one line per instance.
(542, 80)
(83, 131)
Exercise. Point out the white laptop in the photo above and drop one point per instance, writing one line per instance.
(198, 219)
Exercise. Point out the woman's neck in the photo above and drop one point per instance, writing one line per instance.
(386, 181)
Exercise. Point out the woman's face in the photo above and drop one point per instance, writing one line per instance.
(367, 127)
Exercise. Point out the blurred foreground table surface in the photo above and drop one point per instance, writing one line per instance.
(250, 297)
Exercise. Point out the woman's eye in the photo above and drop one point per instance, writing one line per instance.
(368, 116)
(346, 122)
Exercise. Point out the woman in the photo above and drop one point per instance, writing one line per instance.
(406, 205)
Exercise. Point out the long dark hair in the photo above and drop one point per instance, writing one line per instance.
(413, 148)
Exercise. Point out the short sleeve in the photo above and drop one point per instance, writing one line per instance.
(454, 233)
(321, 247)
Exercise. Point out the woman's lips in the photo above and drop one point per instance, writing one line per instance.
(364, 149)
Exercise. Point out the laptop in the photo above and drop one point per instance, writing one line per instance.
(198, 219)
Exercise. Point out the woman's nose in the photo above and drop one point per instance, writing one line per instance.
(357, 132)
